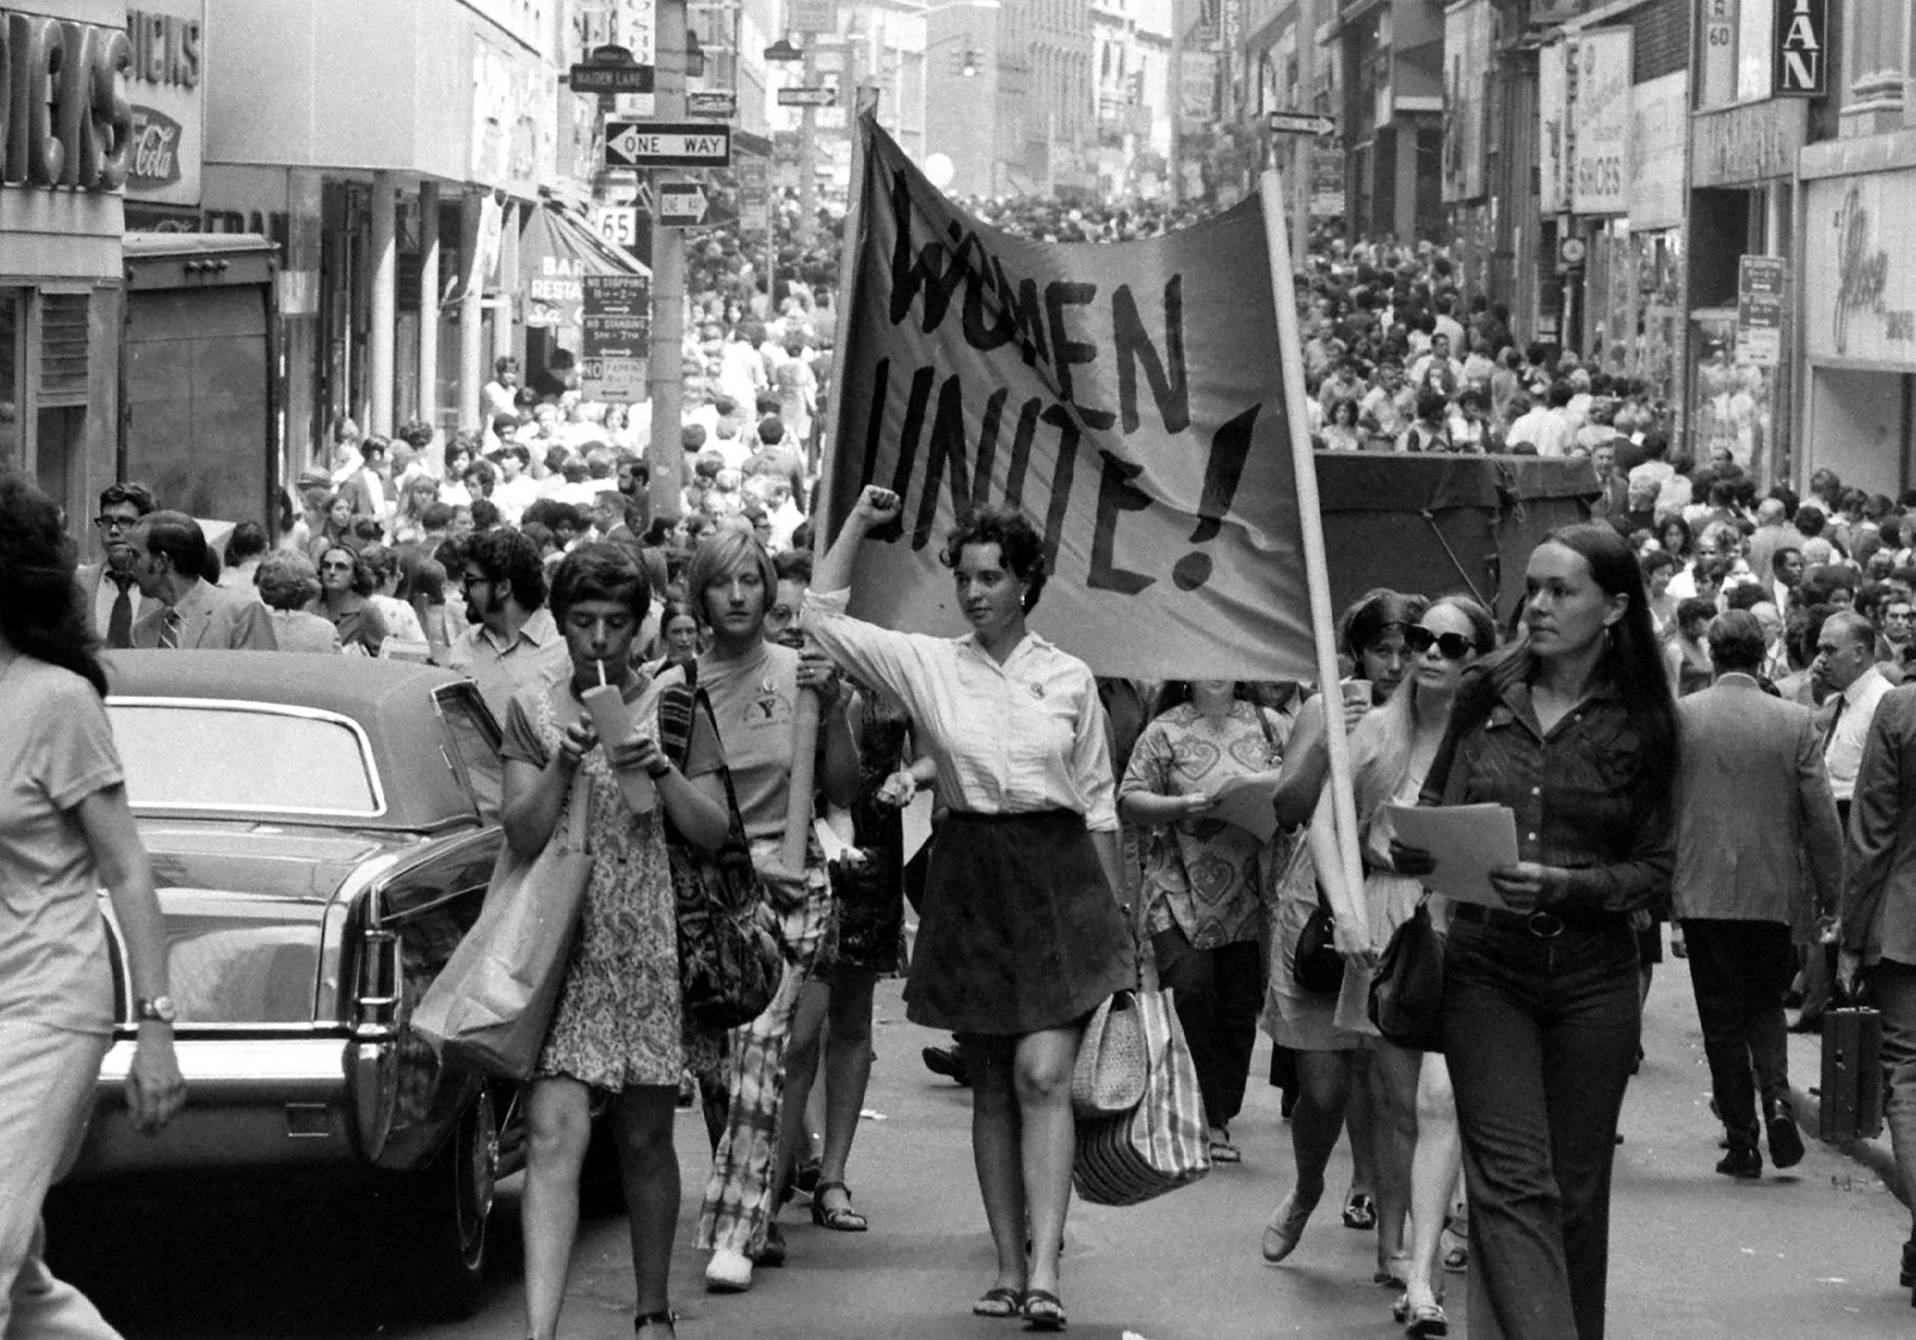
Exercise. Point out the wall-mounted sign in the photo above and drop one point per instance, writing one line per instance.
(1800, 69)
(1859, 291)
(68, 122)
(1600, 158)
(1759, 310)
(168, 93)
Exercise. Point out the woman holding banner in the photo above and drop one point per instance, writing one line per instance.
(1021, 935)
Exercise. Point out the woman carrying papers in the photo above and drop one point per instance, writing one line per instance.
(1204, 875)
(1575, 730)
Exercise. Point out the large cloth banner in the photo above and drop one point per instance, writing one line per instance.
(1125, 397)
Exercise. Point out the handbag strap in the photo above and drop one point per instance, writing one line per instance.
(680, 706)
(578, 805)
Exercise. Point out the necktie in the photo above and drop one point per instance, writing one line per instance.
(170, 629)
(1836, 716)
(119, 625)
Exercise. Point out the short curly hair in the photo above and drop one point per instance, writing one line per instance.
(287, 580)
(507, 556)
(1020, 546)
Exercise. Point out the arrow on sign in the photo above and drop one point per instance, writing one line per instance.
(682, 204)
(822, 96)
(1301, 123)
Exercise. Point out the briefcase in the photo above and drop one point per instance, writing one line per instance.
(1852, 1097)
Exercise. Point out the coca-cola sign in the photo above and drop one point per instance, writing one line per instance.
(156, 150)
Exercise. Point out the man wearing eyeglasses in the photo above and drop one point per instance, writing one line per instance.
(112, 597)
(185, 612)
(514, 639)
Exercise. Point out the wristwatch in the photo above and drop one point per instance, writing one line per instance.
(160, 1009)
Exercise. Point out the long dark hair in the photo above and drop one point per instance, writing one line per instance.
(1631, 661)
(42, 615)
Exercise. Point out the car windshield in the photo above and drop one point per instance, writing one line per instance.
(243, 758)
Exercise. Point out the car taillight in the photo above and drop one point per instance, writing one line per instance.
(376, 1001)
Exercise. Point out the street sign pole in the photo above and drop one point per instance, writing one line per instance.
(664, 376)
(808, 153)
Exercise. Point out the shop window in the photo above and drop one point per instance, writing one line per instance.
(12, 355)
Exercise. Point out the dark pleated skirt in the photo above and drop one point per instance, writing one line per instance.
(1019, 930)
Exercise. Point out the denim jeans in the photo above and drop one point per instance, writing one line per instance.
(1739, 971)
(1892, 989)
(1219, 993)
(1540, 1036)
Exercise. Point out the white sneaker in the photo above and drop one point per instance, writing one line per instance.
(728, 1272)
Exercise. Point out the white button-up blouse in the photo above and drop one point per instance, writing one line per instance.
(1016, 738)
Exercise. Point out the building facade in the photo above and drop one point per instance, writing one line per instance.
(68, 151)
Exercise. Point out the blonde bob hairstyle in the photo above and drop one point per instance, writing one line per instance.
(721, 554)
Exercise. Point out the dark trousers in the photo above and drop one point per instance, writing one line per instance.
(1739, 971)
(1218, 993)
(1892, 989)
(1540, 1036)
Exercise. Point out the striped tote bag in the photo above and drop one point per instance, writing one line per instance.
(1162, 1143)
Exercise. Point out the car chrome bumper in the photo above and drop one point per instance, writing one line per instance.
(250, 1103)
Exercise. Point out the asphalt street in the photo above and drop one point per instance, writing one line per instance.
(1808, 1253)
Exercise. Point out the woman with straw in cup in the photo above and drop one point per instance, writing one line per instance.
(618, 1026)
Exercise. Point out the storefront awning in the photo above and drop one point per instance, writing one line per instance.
(556, 251)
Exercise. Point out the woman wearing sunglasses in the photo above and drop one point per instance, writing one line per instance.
(1416, 1122)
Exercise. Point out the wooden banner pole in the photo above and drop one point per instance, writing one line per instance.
(1310, 516)
(805, 721)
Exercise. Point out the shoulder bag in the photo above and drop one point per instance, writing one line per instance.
(1161, 1143)
(1109, 1076)
(1407, 991)
(490, 1006)
(1315, 963)
(729, 959)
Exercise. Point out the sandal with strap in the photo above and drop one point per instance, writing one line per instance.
(1360, 1211)
(844, 1219)
(1002, 1301)
(1044, 1311)
(663, 1317)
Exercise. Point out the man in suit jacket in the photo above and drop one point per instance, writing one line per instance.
(1759, 852)
(108, 593)
(189, 613)
(1877, 918)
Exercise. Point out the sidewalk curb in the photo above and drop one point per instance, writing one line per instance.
(1874, 1155)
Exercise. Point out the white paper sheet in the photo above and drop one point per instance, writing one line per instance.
(1466, 841)
(1247, 801)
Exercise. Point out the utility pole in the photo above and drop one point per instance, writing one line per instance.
(664, 376)
(1175, 99)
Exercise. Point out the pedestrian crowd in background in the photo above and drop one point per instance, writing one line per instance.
(524, 555)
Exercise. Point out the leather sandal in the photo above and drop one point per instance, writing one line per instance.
(844, 1219)
(1360, 1211)
(1000, 1301)
(1044, 1311)
(663, 1317)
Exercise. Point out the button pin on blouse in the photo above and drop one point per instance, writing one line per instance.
(1037, 690)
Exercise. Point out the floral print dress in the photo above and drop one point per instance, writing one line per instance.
(619, 1021)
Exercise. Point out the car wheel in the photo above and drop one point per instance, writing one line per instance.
(443, 1236)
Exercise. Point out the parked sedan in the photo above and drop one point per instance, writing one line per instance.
(322, 833)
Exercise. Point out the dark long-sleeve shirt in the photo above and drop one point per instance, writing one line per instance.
(1574, 792)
